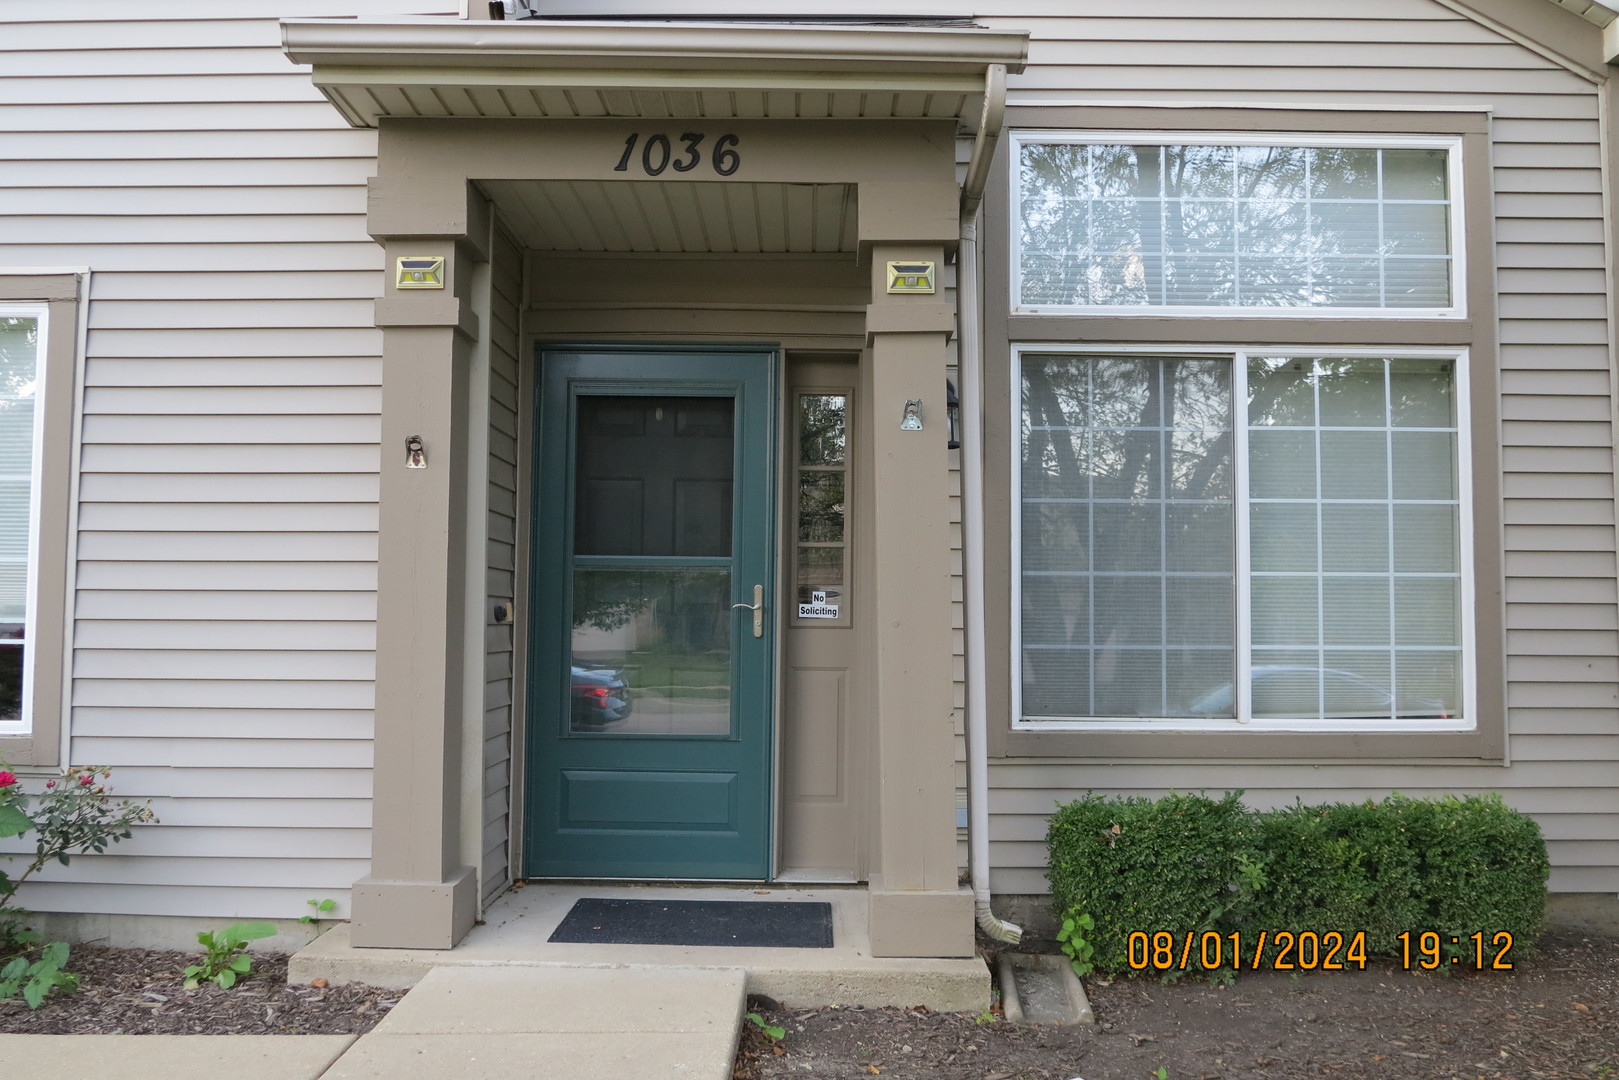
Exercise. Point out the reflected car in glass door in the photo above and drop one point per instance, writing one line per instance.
(599, 697)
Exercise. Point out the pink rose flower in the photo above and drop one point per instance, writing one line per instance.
(49, 784)
(86, 780)
(6, 778)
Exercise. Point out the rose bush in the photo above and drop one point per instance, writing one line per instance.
(74, 817)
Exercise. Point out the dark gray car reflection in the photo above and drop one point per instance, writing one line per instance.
(1287, 690)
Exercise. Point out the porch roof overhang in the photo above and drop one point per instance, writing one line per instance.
(373, 69)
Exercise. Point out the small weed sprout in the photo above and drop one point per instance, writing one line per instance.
(318, 912)
(776, 1034)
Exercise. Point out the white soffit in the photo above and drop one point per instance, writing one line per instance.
(1590, 11)
(417, 67)
(677, 216)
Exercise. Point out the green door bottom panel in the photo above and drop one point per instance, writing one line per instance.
(648, 801)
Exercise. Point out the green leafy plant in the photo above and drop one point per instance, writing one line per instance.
(1161, 1074)
(36, 979)
(776, 1034)
(73, 815)
(1074, 943)
(225, 958)
(985, 1017)
(318, 910)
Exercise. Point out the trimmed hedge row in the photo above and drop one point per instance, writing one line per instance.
(1189, 863)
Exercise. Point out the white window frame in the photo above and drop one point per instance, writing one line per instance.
(1242, 689)
(1458, 239)
(24, 725)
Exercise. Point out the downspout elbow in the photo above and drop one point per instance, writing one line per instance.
(996, 928)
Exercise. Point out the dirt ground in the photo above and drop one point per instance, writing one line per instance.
(140, 992)
(1555, 1016)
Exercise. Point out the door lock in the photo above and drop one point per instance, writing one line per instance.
(758, 609)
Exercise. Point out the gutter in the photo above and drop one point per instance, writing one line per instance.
(970, 360)
(436, 43)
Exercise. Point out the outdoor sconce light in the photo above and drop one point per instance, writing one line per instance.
(952, 414)
(912, 419)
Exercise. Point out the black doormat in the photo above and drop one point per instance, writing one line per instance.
(779, 924)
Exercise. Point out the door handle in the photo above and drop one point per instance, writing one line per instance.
(758, 609)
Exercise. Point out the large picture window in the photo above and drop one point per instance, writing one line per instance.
(1224, 225)
(1265, 537)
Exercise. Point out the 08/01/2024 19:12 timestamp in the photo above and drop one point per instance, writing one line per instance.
(1307, 950)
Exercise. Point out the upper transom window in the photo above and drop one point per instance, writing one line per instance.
(1225, 225)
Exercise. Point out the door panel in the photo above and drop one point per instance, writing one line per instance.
(650, 725)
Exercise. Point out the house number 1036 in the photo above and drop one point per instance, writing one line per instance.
(658, 154)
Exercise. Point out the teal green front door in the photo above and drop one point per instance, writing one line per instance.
(649, 670)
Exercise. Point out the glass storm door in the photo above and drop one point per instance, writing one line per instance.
(649, 699)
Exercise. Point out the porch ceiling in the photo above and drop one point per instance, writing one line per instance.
(677, 216)
(435, 67)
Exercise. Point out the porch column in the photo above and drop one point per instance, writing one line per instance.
(917, 908)
(419, 894)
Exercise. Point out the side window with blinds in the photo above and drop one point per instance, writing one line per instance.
(22, 333)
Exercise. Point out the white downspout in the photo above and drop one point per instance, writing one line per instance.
(970, 359)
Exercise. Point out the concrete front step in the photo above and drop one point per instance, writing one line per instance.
(518, 925)
(561, 1023)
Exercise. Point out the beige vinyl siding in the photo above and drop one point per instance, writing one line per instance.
(506, 301)
(227, 506)
(1555, 410)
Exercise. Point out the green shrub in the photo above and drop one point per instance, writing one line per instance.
(1177, 864)
(1346, 866)
(1483, 866)
(1184, 863)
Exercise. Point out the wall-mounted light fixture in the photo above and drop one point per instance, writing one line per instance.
(912, 418)
(952, 414)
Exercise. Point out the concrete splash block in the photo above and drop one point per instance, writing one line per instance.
(1042, 989)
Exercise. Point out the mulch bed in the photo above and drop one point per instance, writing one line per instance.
(1554, 1018)
(140, 992)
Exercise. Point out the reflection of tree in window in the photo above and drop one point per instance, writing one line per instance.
(1220, 226)
(820, 507)
(1126, 533)
(820, 429)
(611, 599)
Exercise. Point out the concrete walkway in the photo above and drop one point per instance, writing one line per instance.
(457, 1024)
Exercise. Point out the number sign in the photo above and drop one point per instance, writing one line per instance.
(658, 153)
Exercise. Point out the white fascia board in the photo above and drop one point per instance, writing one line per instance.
(396, 43)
